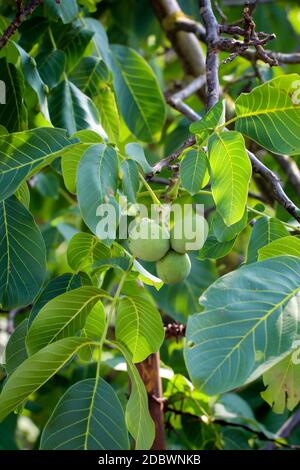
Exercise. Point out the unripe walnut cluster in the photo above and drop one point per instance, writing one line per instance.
(150, 241)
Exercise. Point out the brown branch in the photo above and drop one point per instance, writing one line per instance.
(21, 15)
(212, 57)
(149, 371)
(186, 45)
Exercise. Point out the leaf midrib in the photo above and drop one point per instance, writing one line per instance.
(252, 330)
(133, 94)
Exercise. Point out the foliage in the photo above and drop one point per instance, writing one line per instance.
(86, 123)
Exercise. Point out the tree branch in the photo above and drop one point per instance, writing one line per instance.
(186, 45)
(212, 57)
(286, 429)
(21, 14)
(278, 193)
(258, 167)
(290, 169)
(222, 422)
(176, 100)
(236, 47)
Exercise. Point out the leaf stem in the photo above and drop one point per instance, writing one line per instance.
(150, 190)
(290, 226)
(110, 314)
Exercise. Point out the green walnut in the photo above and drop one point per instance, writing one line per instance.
(148, 240)
(173, 268)
(188, 233)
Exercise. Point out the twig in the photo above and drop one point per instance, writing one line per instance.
(212, 57)
(252, 39)
(220, 12)
(282, 58)
(166, 162)
(275, 184)
(221, 422)
(162, 8)
(21, 14)
(176, 100)
(291, 170)
(286, 429)
(257, 166)
(159, 180)
(241, 2)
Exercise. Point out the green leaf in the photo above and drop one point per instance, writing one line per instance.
(283, 384)
(120, 262)
(231, 173)
(97, 179)
(265, 230)
(15, 351)
(236, 438)
(36, 371)
(72, 156)
(130, 179)
(138, 94)
(62, 316)
(250, 320)
(89, 416)
(84, 249)
(207, 125)
(73, 110)
(146, 277)
(23, 255)
(34, 79)
(182, 299)
(99, 40)
(7, 433)
(93, 77)
(23, 152)
(222, 232)
(136, 152)
(270, 115)
(213, 249)
(90, 75)
(194, 171)
(139, 327)
(73, 40)
(282, 246)
(138, 419)
(61, 10)
(51, 67)
(95, 323)
(13, 114)
(55, 287)
(23, 194)
(91, 5)
(109, 116)
(47, 184)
